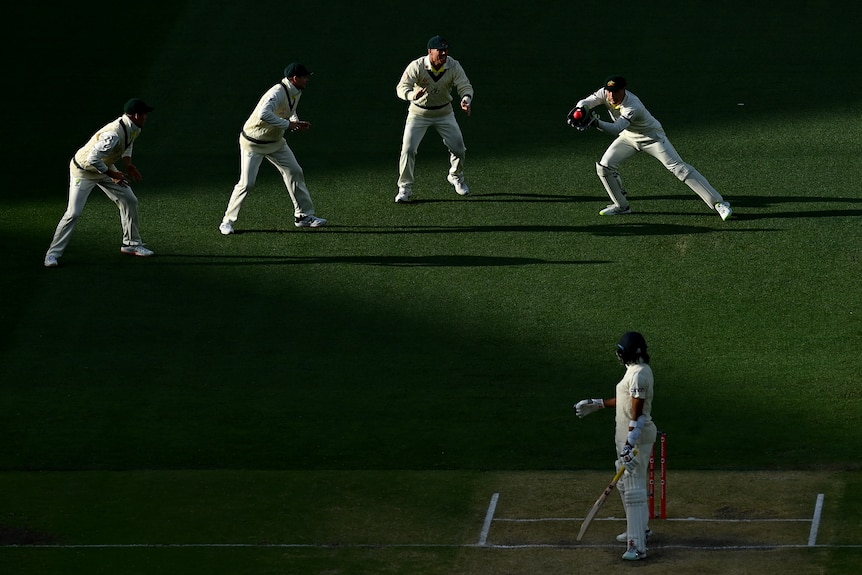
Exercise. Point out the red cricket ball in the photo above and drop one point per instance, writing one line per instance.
(578, 114)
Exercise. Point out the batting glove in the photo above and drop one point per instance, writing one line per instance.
(586, 406)
(627, 456)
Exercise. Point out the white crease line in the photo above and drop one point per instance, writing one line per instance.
(489, 517)
(410, 546)
(683, 519)
(815, 521)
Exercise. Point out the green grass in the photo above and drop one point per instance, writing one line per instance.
(454, 334)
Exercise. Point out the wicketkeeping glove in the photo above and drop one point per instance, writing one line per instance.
(586, 406)
(581, 118)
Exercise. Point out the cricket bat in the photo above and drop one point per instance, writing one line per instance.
(600, 501)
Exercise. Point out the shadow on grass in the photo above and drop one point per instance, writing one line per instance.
(627, 228)
(394, 261)
(794, 215)
(511, 197)
(766, 202)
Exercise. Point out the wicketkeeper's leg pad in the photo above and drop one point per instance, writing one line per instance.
(613, 184)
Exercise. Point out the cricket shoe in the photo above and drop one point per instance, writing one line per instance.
(403, 196)
(309, 222)
(723, 209)
(615, 210)
(226, 228)
(51, 261)
(623, 537)
(632, 554)
(138, 250)
(458, 183)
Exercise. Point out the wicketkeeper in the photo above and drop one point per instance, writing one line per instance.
(636, 130)
(634, 438)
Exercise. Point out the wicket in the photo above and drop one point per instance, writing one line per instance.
(662, 441)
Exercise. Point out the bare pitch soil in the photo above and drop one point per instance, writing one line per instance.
(718, 522)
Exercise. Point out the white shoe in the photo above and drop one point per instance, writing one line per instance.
(138, 250)
(308, 222)
(723, 209)
(623, 537)
(458, 182)
(615, 210)
(403, 196)
(632, 554)
(225, 228)
(51, 262)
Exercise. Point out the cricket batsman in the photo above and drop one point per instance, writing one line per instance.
(634, 437)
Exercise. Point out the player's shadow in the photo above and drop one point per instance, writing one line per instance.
(385, 261)
(616, 226)
(509, 197)
(763, 204)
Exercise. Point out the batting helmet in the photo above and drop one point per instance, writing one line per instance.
(632, 347)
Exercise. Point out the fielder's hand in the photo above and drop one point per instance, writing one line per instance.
(628, 458)
(299, 126)
(134, 174)
(586, 406)
(118, 178)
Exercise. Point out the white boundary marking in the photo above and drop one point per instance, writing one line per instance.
(815, 521)
(489, 517)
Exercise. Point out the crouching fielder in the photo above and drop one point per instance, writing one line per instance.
(638, 131)
(634, 438)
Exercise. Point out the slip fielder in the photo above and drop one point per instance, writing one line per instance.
(427, 84)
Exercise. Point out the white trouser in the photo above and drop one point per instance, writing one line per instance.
(79, 191)
(414, 130)
(661, 149)
(285, 162)
(633, 492)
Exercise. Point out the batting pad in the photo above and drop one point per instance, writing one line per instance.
(637, 517)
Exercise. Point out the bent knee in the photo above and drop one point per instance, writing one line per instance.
(603, 170)
(681, 171)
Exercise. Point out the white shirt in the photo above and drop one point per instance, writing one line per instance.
(630, 118)
(637, 382)
(420, 73)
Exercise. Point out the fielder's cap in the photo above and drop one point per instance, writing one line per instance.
(438, 43)
(614, 83)
(137, 106)
(296, 69)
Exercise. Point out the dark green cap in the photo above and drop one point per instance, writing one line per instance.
(137, 106)
(438, 43)
(614, 83)
(296, 69)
